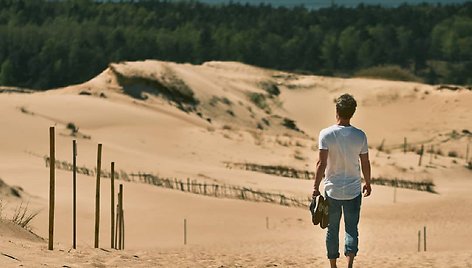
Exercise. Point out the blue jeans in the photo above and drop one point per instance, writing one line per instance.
(351, 210)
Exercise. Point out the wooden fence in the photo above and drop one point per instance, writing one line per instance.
(194, 186)
(425, 186)
(288, 172)
(281, 171)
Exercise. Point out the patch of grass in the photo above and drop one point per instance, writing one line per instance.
(25, 111)
(290, 124)
(226, 101)
(214, 101)
(230, 112)
(23, 216)
(73, 128)
(380, 148)
(168, 86)
(85, 93)
(266, 121)
(283, 142)
(388, 72)
(270, 87)
(299, 144)
(452, 154)
(298, 155)
(260, 101)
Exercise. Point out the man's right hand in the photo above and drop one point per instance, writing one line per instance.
(316, 193)
(367, 189)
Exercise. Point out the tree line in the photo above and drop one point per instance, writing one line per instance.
(46, 44)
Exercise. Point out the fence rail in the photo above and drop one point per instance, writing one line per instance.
(193, 186)
(281, 171)
(288, 172)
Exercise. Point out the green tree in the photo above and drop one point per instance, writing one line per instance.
(329, 51)
(349, 43)
(7, 73)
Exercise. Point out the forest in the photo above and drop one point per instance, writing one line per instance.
(46, 44)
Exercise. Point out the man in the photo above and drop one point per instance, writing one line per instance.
(340, 147)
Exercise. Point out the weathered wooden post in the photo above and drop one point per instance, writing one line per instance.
(97, 196)
(188, 185)
(395, 191)
(404, 145)
(424, 237)
(185, 231)
(467, 154)
(112, 202)
(421, 154)
(419, 240)
(74, 194)
(52, 182)
(431, 154)
(122, 218)
(117, 223)
(119, 227)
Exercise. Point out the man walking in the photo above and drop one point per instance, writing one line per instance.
(340, 148)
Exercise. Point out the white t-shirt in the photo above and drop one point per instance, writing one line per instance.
(343, 175)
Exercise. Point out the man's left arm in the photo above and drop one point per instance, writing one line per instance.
(320, 171)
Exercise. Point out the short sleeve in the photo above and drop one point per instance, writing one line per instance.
(322, 141)
(365, 147)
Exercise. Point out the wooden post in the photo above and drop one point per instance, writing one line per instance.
(188, 185)
(421, 154)
(52, 182)
(74, 194)
(122, 220)
(112, 204)
(97, 196)
(431, 154)
(404, 145)
(467, 154)
(419, 240)
(185, 231)
(119, 221)
(117, 224)
(424, 237)
(395, 191)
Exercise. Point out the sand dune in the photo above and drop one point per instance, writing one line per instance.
(185, 121)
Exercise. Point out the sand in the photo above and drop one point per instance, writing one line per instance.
(155, 135)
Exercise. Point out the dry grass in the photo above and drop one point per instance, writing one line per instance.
(23, 216)
(389, 72)
(299, 155)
